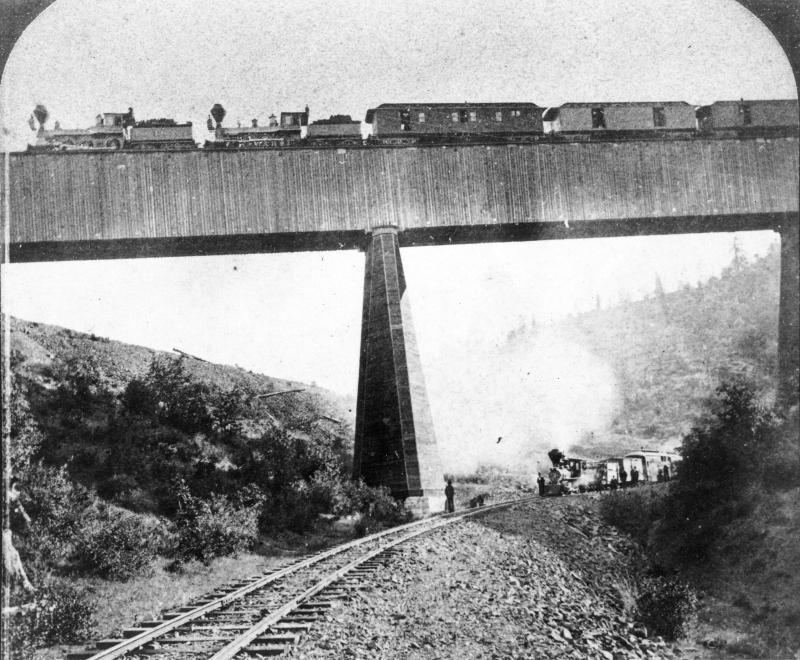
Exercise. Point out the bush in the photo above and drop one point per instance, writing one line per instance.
(213, 528)
(376, 503)
(56, 507)
(727, 449)
(168, 393)
(227, 410)
(137, 398)
(63, 614)
(666, 606)
(725, 456)
(116, 485)
(118, 545)
(26, 438)
(632, 512)
(292, 509)
(79, 380)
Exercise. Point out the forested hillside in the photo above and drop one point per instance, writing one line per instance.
(129, 420)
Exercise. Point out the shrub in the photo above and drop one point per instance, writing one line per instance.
(725, 455)
(63, 614)
(213, 528)
(79, 380)
(116, 485)
(377, 503)
(632, 512)
(291, 509)
(168, 393)
(728, 447)
(227, 410)
(26, 438)
(137, 398)
(119, 545)
(666, 606)
(56, 507)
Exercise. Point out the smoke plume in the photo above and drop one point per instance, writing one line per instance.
(535, 392)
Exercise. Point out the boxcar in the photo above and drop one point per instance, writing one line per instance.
(748, 115)
(652, 116)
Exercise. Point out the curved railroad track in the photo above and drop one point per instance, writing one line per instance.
(264, 616)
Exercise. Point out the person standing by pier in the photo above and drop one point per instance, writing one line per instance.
(449, 493)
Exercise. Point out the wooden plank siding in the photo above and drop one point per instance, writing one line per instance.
(311, 193)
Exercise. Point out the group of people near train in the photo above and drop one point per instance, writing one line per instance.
(624, 480)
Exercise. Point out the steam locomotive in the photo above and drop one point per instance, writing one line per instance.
(573, 475)
(440, 123)
(111, 131)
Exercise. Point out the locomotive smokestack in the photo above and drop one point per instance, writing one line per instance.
(41, 114)
(218, 113)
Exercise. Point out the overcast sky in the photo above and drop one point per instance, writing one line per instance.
(298, 315)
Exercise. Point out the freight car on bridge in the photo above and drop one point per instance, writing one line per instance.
(671, 119)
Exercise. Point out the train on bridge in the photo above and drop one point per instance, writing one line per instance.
(409, 124)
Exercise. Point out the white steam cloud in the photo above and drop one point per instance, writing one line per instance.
(537, 392)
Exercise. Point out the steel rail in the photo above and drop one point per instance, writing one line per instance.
(241, 642)
(151, 634)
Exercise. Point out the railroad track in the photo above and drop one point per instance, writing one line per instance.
(266, 615)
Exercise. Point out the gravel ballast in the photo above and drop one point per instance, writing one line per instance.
(544, 580)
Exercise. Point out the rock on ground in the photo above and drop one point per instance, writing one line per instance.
(545, 580)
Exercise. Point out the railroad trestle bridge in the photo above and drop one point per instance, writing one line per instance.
(144, 204)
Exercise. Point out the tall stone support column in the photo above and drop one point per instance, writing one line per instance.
(395, 444)
(788, 322)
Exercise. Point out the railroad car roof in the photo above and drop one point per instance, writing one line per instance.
(594, 104)
(794, 101)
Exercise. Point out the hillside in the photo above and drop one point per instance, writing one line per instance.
(670, 351)
(75, 386)
(37, 345)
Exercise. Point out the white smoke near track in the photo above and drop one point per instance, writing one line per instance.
(534, 393)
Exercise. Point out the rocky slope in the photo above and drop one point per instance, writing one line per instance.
(546, 580)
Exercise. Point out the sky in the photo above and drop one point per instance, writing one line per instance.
(298, 315)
